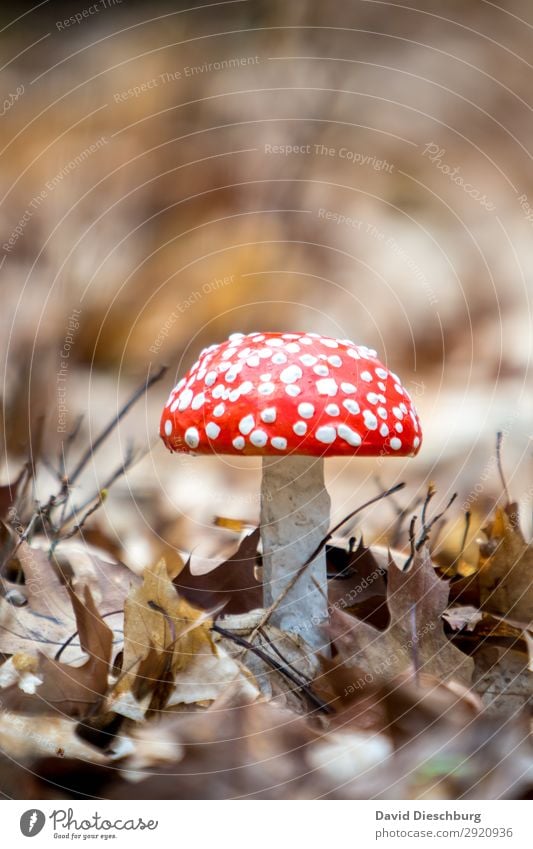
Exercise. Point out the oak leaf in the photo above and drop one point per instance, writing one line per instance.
(415, 637)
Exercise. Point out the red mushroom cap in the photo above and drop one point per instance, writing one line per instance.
(290, 393)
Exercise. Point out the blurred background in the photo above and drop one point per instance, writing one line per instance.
(172, 173)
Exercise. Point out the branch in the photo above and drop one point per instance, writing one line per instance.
(91, 450)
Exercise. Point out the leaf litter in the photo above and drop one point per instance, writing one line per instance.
(179, 680)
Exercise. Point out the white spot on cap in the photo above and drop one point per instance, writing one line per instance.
(266, 389)
(279, 442)
(219, 410)
(348, 388)
(168, 427)
(332, 410)
(398, 427)
(274, 343)
(366, 376)
(246, 387)
(306, 341)
(192, 437)
(264, 353)
(308, 359)
(384, 430)
(403, 408)
(350, 436)
(291, 374)
(381, 385)
(279, 358)
(416, 442)
(238, 442)
(395, 443)
(198, 401)
(351, 406)
(398, 389)
(306, 410)
(381, 372)
(185, 399)
(327, 386)
(268, 415)
(244, 353)
(218, 391)
(292, 348)
(258, 438)
(253, 361)
(212, 430)
(372, 398)
(326, 434)
(371, 421)
(321, 370)
(235, 394)
(329, 343)
(246, 424)
(236, 337)
(300, 428)
(397, 412)
(382, 413)
(292, 390)
(353, 353)
(335, 361)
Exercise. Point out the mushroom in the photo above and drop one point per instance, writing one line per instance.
(292, 399)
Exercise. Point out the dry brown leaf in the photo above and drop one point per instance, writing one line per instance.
(462, 616)
(70, 690)
(8, 495)
(231, 584)
(415, 637)
(506, 569)
(163, 633)
(25, 737)
(46, 619)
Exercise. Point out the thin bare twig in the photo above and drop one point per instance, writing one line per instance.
(270, 661)
(499, 440)
(91, 450)
(426, 529)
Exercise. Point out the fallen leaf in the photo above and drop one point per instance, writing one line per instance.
(8, 495)
(163, 633)
(463, 616)
(415, 637)
(357, 582)
(231, 585)
(506, 569)
(70, 690)
(38, 616)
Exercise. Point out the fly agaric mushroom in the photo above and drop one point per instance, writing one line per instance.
(293, 399)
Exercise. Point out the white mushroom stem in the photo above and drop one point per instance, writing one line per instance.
(295, 509)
